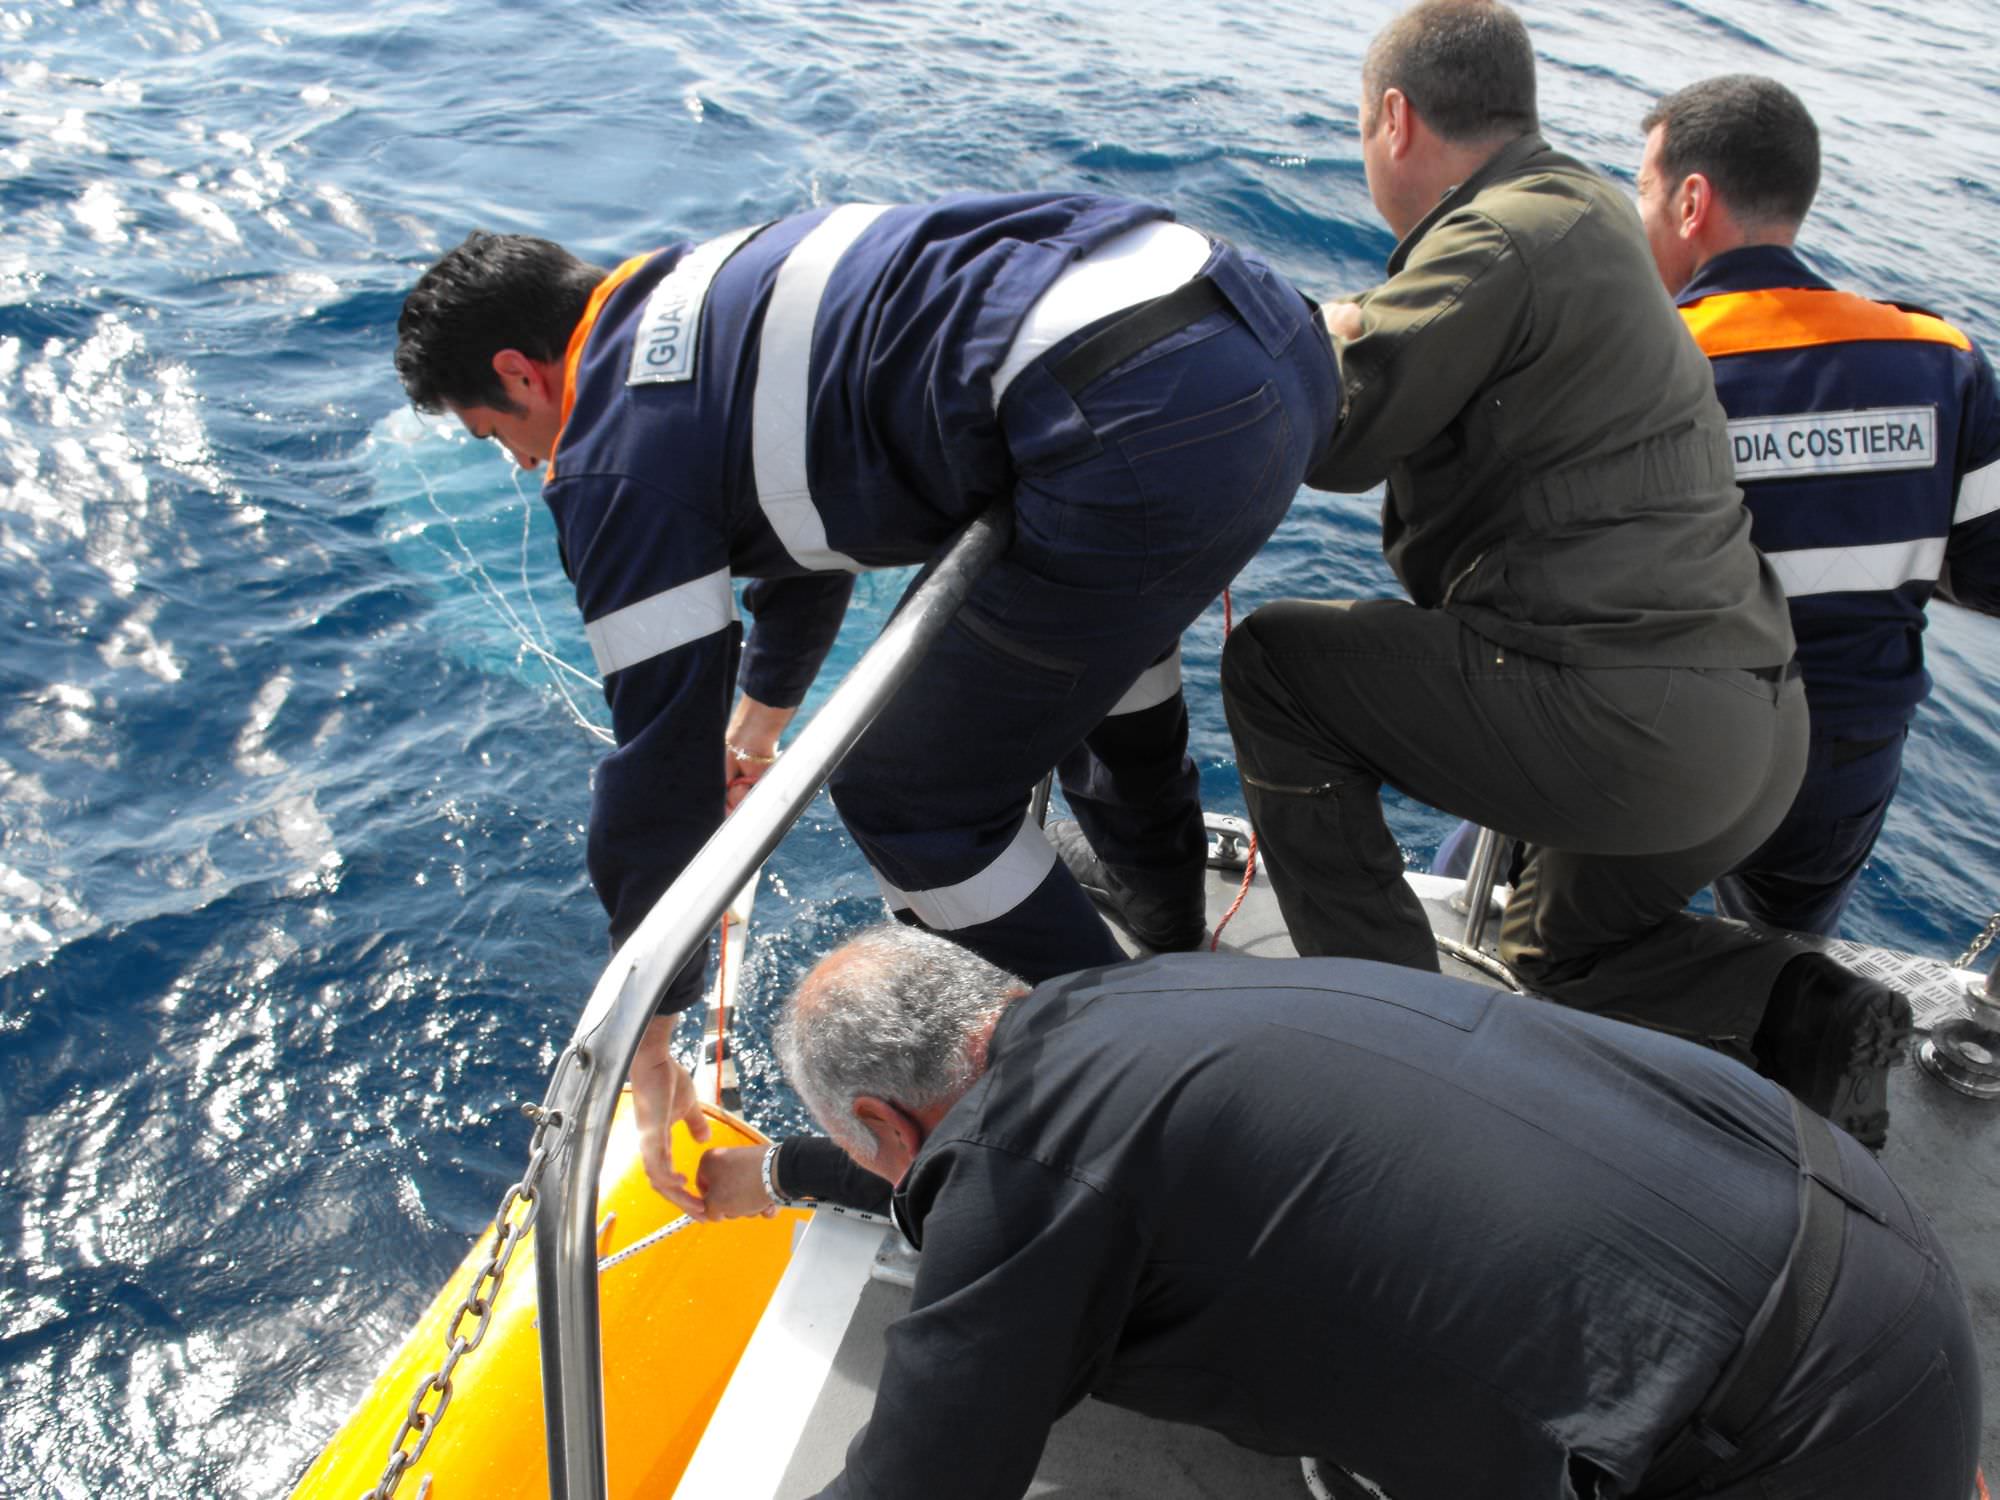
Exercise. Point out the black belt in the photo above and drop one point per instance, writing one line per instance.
(1779, 1331)
(1117, 338)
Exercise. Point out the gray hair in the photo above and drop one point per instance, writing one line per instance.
(897, 1013)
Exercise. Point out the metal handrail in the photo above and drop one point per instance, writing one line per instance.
(629, 992)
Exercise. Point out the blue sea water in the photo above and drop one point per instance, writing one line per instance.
(297, 728)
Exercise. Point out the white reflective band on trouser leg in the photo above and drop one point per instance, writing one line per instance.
(1978, 495)
(1154, 686)
(1848, 570)
(656, 625)
(1010, 879)
(784, 386)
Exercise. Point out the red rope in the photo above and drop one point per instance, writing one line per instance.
(1984, 1493)
(1249, 869)
(1250, 856)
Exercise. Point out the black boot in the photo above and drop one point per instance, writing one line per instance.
(1160, 924)
(1830, 1036)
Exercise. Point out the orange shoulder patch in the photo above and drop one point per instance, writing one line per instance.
(1800, 318)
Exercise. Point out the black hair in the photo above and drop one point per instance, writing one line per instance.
(1466, 66)
(1751, 137)
(492, 292)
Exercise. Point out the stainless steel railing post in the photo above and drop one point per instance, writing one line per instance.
(1480, 879)
(630, 989)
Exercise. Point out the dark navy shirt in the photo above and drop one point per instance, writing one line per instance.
(1867, 444)
(1445, 1235)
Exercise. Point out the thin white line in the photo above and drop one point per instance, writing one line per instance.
(665, 1231)
(489, 594)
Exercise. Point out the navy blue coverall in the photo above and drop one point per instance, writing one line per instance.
(843, 390)
(1867, 442)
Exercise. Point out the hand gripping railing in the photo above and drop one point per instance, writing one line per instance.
(630, 990)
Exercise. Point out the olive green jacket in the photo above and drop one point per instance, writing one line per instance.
(1559, 472)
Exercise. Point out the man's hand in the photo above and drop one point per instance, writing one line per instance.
(663, 1093)
(750, 747)
(1342, 319)
(731, 1179)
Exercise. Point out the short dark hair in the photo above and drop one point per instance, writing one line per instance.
(1466, 66)
(492, 292)
(1751, 137)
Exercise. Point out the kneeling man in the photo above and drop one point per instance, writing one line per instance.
(1460, 1241)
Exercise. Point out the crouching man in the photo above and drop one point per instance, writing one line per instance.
(1461, 1242)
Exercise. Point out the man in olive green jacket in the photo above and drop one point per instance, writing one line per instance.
(1593, 659)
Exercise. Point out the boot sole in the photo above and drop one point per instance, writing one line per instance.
(1859, 1097)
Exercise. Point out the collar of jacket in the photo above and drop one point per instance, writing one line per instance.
(1508, 160)
(1752, 268)
(578, 337)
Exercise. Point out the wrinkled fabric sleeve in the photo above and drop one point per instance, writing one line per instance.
(811, 1166)
(656, 602)
(794, 625)
(1026, 1279)
(1972, 554)
(1434, 335)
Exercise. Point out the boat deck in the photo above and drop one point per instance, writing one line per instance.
(1939, 1150)
(1097, 1451)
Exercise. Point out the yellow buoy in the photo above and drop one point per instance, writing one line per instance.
(675, 1317)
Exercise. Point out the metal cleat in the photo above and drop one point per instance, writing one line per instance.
(1965, 1054)
(1228, 841)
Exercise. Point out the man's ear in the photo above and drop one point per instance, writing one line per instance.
(896, 1135)
(520, 375)
(1694, 205)
(1397, 120)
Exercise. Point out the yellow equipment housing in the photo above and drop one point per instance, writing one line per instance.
(675, 1319)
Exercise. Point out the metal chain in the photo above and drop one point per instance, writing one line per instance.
(484, 1293)
(1980, 943)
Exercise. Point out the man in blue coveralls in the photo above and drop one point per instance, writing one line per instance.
(1867, 443)
(844, 389)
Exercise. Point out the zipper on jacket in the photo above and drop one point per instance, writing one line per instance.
(1459, 578)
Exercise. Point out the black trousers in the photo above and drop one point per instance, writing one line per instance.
(1633, 787)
